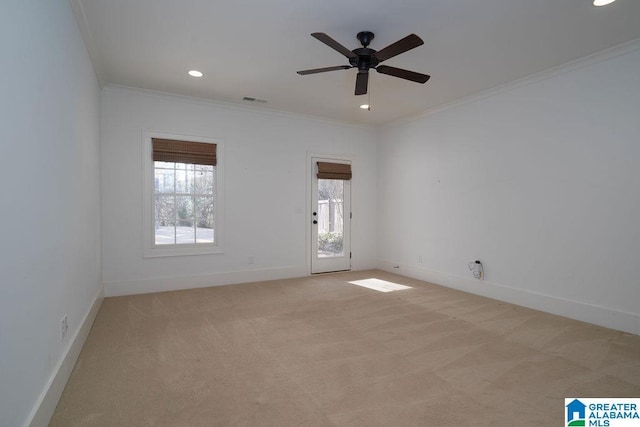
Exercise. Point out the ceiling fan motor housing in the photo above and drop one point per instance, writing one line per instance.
(365, 58)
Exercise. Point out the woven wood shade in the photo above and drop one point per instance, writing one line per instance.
(334, 171)
(169, 150)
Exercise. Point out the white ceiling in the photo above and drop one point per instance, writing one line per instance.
(254, 47)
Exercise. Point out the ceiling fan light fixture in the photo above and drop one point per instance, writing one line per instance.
(602, 2)
(195, 73)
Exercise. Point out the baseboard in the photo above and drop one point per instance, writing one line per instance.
(601, 316)
(163, 284)
(46, 404)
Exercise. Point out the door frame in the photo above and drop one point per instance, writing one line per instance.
(308, 210)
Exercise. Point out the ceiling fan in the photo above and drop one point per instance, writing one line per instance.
(364, 59)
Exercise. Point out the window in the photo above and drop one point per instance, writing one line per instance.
(182, 187)
(183, 204)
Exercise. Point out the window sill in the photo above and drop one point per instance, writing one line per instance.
(188, 250)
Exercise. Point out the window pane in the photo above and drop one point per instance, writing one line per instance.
(204, 182)
(185, 166)
(204, 231)
(183, 180)
(165, 220)
(165, 235)
(204, 209)
(164, 180)
(208, 168)
(330, 218)
(184, 211)
(185, 220)
(165, 208)
(185, 234)
(167, 165)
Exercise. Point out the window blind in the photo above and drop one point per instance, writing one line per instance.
(334, 171)
(170, 150)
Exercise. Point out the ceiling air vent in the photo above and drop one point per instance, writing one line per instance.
(251, 99)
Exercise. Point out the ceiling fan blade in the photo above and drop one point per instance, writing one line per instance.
(403, 74)
(362, 81)
(322, 70)
(334, 44)
(401, 46)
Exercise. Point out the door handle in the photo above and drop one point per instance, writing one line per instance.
(315, 222)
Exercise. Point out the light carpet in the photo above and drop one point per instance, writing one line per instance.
(319, 351)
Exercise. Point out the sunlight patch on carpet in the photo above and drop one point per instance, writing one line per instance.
(380, 285)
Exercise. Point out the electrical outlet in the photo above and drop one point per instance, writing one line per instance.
(64, 327)
(251, 261)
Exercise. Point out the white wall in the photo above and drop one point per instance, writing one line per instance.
(265, 164)
(541, 182)
(50, 203)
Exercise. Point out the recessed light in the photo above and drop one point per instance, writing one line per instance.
(195, 73)
(365, 106)
(602, 2)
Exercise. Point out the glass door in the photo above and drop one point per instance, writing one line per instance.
(331, 221)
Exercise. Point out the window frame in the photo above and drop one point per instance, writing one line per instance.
(150, 248)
